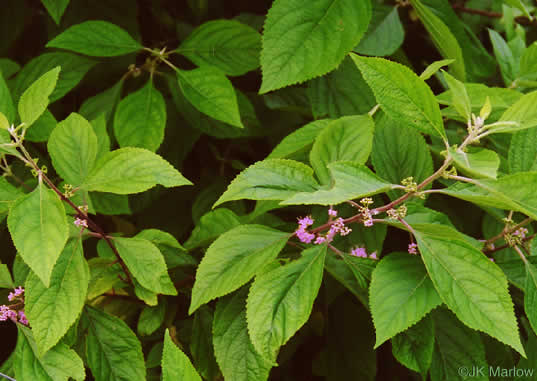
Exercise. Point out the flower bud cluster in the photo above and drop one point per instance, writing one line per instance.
(13, 311)
(362, 253)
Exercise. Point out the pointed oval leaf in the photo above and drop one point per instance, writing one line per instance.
(523, 151)
(7, 108)
(271, 179)
(299, 140)
(58, 364)
(233, 259)
(443, 39)
(349, 181)
(340, 92)
(349, 138)
(530, 295)
(35, 99)
(52, 311)
(385, 33)
(96, 38)
(211, 226)
(399, 153)
(175, 364)
(116, 357)
(456, 347)
(414, 347)
(401, 294)
(55, 8)
(229, 45)
(297, 48)
(146, 263)
(234, 351)
(132, 170)
(471, 285)
(459, 96)
(477, 162)
(209, 91)
(73, 69)
(140, 119)
(38, 227)
(523, 112)
(280, 301)
(402, 94)
(73, 148)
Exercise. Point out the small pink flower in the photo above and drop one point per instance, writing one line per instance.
(304, 236)
(332, 212)
(368, 222)
(22, 318)
(81, 223)
(412, 248)
(491, 259)
(359, 252)
(373, 255)
(305, 221)
(521, 232)
(320, 239)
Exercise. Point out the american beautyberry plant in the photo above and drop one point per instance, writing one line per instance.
(353, 183)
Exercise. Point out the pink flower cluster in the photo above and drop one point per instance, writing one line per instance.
(412, 248)
(336, 227)
(81, 223)
(521, 232)
(362, 253)
(10, 312)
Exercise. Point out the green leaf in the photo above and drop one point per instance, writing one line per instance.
(6, 102)
(340, 92)
(58, 364)
(38, 227)
(349, 181)
(280, 301)
(352, 272)
(399, 153)
(132, 170)
(102, 103)
(42, 128)
(522, 112)
(209, 91)
(96, 38)
(235, 353)
(233, 259)
(8, 194)
(504, 55)
(146, 263)
(55, 8)
(433, 68)
(348, 138)
(226, 44)
(151, 318)
(73, 69)
(298, 48)
(103, 276)
(385, 33)
(174, 254)
(5, 277)
(140, 119)
(528, 63)
(103, 140)
(212, 225)
(530, 294)
(520, 6)
(110, 203)
(402, 94)
(271, 179)
(477, 162)
(508, 192)
(35, 99)
(470, 284)
(73, 149)
(459, 96)
(175, 364)
(523, 151)
(414, 347)
(443, 39)
(52, 310)
(401, 294)
(457, 347)
(149, 297)
(8, 67)
(116, 357)
(201, 344)
(299, 140)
